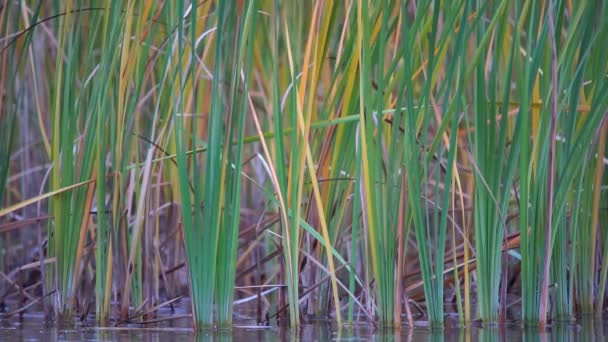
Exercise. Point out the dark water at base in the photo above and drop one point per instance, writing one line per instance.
(35, 330)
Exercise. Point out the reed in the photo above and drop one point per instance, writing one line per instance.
(326, 158)
(494, 159)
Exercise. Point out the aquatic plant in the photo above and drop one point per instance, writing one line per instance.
(322, 158)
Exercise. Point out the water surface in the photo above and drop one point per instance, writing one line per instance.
(32, 328)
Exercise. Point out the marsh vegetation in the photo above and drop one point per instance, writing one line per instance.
(364, 161)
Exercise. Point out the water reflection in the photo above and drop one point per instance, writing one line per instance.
(586, 329)
(592, 330)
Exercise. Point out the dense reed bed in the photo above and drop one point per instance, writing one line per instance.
(379, 161)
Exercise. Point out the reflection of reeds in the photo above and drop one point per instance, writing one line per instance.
(366, 155)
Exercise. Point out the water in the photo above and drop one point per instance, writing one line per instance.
(33, 329)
